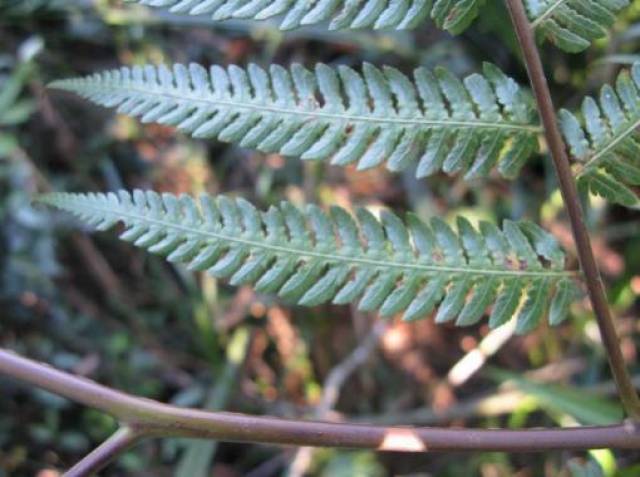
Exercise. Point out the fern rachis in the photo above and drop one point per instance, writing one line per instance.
(437, 121)
(315, 257)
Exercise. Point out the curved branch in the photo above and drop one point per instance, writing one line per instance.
(153, 419)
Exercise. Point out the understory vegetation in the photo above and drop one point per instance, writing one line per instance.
(334, 210)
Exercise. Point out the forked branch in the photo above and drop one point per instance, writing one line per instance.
(123, 439)
(558, 150)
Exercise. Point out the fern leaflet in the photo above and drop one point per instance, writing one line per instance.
(606, 140)
(380, 116)
(312, 257)
(451, 15)
(573, 25)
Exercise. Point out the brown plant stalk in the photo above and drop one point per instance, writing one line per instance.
(144, 418)
(558, 150)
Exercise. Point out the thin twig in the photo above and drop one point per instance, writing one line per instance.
(123, 439)
(497, 403)
(332, 388)
(343, 371)
(558, 150)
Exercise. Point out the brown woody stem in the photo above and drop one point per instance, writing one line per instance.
(148, 418)
(568, 187)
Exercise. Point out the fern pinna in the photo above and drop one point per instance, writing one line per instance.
(572, 25)
(606, 141)
(312, 257)
(437, 122)
(451, 15)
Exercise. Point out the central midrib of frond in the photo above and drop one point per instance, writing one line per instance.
(302, 253)
(538, 21)
(319, 113)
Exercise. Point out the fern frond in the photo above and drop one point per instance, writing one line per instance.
(606, 140)
(573, 25)
(451, 15)
(312, 257)
(379, 116)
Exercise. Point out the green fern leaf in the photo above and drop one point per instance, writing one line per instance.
(451, 15)
(312, 257)
(438, 122)
(570, 24)
(606, 141)
(573, 25)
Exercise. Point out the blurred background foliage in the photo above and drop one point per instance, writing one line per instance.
(101, 309)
